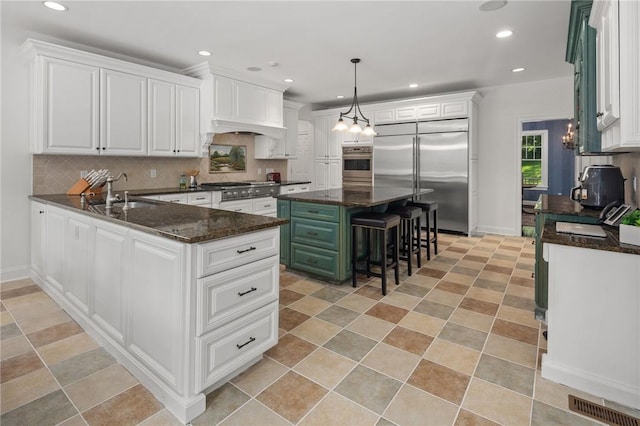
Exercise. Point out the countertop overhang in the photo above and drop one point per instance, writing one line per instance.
(355, 197)
(180, 222)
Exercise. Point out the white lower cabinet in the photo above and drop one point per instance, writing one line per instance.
(293, 189)
(238, 206)
(183, 318)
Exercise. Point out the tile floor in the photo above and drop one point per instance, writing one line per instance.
(454, 344)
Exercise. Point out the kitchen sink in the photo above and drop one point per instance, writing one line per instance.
(135, 204)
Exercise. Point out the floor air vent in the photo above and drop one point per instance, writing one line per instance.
(601, 413)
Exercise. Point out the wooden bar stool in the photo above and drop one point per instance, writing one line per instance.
(409, 233)
(375, 223)
(428, 207)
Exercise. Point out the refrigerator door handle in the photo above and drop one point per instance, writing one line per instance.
(416, 163)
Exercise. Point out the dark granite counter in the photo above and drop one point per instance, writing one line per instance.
(562, 204)
(609, 243)
(188, 224)
(294, 182)
(354, 197)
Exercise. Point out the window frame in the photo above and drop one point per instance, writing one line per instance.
(544, 184)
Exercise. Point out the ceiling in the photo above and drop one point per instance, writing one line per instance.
(443, 46)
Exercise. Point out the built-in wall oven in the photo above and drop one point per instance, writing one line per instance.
(357, 165)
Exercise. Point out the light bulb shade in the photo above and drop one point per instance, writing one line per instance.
(368, 131)
(340, 125)
(355, 128)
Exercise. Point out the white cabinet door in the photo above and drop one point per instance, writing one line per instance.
(322, 130)
(301, 167)
(187, 121)
(123, 113)
(68, 109)
(55, 258)
(384, 116)
(78, 261)
(110, 278)
(155, 314)
(455, 109)
(334, 145)
(38, 233)
(223, 107)
(406, 113)
(162, 118)
(328, 174)
(428, 111)
(608, 62)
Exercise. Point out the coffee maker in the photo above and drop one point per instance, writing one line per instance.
(599, 186)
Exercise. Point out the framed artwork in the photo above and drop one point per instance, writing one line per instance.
(227, 158)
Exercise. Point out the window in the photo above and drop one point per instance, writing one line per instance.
(534, 158)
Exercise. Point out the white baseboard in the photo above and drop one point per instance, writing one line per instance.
(497, 230)
(15, 273)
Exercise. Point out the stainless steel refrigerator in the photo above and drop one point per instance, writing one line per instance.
(430, 154)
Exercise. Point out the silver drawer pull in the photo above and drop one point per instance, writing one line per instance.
(247, 292)
(251, 339)
(201, 198)
(237, 210)
(313, 211)
(313, 234)
(244, 251)
(312, 261)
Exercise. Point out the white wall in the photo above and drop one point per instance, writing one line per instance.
(15, 162)
(502, 109)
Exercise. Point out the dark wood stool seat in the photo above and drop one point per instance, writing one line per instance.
(409, 233)
(427, 208)
(375, 223)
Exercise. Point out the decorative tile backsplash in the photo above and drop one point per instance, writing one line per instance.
(55, 174)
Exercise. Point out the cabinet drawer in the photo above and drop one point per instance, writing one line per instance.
(174, 198)
(265, 206)
(226, 296)
(315, 211)
(244, 206)
(228, 253)
(199, 198)
(314, 260)
(228, 348)
(315, 233)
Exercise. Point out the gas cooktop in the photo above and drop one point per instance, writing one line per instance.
(240, 190)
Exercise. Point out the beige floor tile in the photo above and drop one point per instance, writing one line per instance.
(421, 323)
(100, 386)
(522, 273)
(471, 264)
(325, 367)
(485, 295)
(497, 403)
(26, 388)
(519, 316)
(335, 409)
(391, 361)
(472, 319)
(79, 421)
(310, 305)
(17, 303)
(5, 318)
(434, 264)
(518, 290)
(316, 331)
(456, 357)
(422, 280)
(305, 287)
(502, 262)
(11, 285)
(44, 321)
(412, 406)
(401, 300)
(459, 278)
(63, 349)
(444, 297)
(14, 346)
(253, 413)
(356, 303)
(557, 395)
(511, 350)
(495, 276)
(372, 327)
(36, 310)
(259, 376)
(161, 418)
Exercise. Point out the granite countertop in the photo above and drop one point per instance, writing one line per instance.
(354, 197)
(609, 243)
(562, 204)
(294, 182)
(180, 222)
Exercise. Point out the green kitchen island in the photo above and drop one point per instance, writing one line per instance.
(317, 239)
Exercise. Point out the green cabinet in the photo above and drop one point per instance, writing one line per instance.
(581, 52)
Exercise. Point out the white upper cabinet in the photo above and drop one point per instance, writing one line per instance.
(90, 104)
(286, 147)
(618, 73)
(433, 110)
(123, 113)
(328, 144)
(66, 107)
(257, 105)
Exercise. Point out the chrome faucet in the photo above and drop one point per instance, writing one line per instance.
(110, 197)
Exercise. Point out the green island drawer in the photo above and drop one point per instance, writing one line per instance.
(315, 233)
(314, 260)
(324, 212)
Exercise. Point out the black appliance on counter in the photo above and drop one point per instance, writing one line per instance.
(241, 190)
(599, 186)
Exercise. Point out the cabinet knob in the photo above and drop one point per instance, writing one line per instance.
(174, 150)
(97, 148)
(104, 147)
(599, 114)
(41, 211)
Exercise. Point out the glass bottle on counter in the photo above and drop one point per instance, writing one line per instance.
(183, 181)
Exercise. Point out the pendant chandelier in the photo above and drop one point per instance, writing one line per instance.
(567, 140)
(355, 107)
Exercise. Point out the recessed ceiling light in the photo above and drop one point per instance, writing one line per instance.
(340, 96)
(504, 34)
(204, 53)
(413, 85)
(491, 5)
(517, 70)
(288, 80)
(55, 6)
(273, 63)
(254, 69)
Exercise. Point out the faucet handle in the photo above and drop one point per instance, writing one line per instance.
(126, 201)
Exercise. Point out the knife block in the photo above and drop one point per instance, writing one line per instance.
(82, 186)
